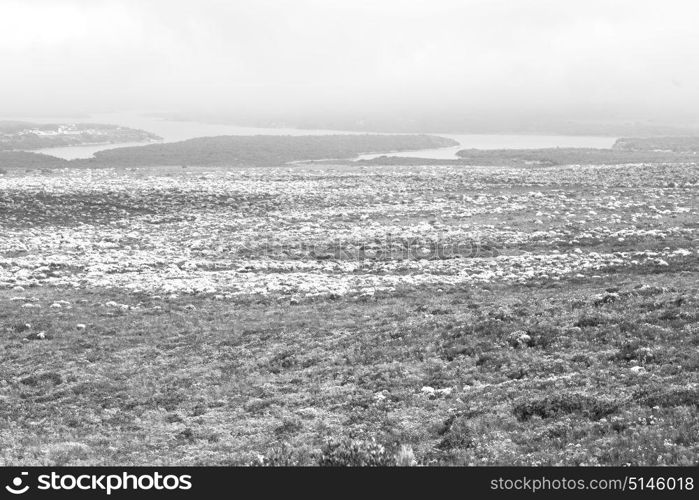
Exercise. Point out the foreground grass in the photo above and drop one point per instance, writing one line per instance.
(589, 371)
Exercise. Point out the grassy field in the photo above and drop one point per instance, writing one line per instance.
(322, 314)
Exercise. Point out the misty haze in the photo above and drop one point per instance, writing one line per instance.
(349, 233)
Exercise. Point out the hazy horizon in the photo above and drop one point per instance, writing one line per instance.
(449, 65)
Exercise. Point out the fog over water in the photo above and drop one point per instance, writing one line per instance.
(435, 66)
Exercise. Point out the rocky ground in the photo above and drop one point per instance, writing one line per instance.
(307, 314)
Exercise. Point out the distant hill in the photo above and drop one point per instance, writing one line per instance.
(261, 150)
(569, 156)
(16, 135)
(543, 157)
(659, 144)
(22, 159)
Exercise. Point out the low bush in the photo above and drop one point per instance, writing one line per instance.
(457, 434)
(560, 404)
(355, 453)
(668, 397)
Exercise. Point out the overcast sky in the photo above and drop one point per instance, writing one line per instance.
(574, 58)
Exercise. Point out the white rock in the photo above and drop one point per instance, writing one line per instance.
(427, 390)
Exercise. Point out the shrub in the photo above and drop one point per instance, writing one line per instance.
(355, 453)
(457, 434)
(605, 298)
(588, 320)
(48, 377)
(633, 350)
(288, 427)
(492, 361)
(519, 339)
(405, 457)
(281, 456)
(668, 397)
(582, 358)
(544, 336)
(282, 361)
(669, 314)
(561, 404)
